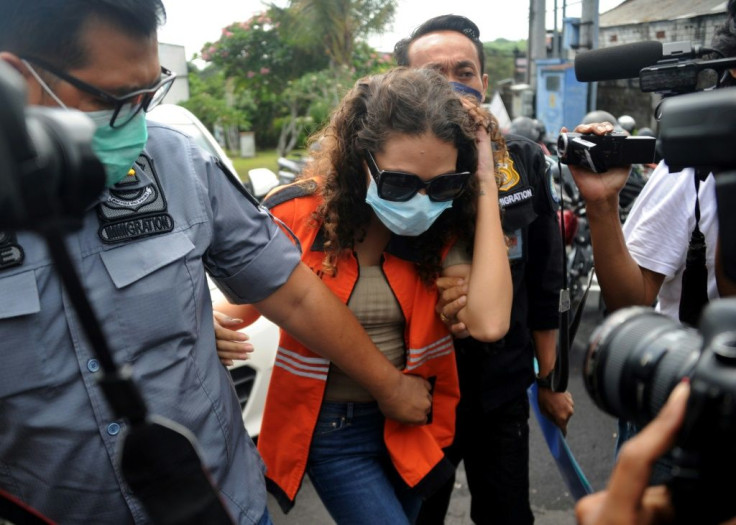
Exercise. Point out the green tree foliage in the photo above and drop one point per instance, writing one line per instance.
(338, 24)
(209, 100)
(216, 105)
(256, 58)
(258, 55)
(294, 64)
(500, 55)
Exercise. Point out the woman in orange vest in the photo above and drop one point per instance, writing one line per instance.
(402, 189)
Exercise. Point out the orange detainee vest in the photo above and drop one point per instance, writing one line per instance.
(299, 376)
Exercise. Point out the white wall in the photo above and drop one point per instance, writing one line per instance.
(173, 57)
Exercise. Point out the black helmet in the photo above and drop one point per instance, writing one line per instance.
(646, 132)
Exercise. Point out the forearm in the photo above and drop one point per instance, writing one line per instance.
(311, 313)
(621, 279)
(245, 312)
(545, 347)
(488, 309)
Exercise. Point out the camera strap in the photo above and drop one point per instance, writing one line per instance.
(561, 372)
(694, 293)
(158, 458)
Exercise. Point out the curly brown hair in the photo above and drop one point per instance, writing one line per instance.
(401, 101)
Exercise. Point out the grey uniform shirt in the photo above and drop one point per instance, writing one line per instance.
(142, 256)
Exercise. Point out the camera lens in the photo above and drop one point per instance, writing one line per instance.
(634, 360)
(562, 145)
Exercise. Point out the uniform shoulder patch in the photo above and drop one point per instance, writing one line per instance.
(292, 191)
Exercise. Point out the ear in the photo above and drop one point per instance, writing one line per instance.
(485, 85)
(15, 62)
(34, 93)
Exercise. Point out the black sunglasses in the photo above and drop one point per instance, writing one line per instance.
(399, 186)
(125, 107)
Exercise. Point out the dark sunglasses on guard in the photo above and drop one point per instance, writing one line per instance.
(125, 107)
(399, 186)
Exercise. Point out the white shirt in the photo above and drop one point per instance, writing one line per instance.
(658, 230)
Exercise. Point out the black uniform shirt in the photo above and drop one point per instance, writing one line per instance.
(494, 373)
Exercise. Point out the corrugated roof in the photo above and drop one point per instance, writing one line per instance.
(643, 11)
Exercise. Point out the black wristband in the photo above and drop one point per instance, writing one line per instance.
(545, 382)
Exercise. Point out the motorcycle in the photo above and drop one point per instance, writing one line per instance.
(263, 180)
(291, 167)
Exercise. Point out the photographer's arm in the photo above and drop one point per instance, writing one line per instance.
(726, 286)
(308, 310)
(623, 282)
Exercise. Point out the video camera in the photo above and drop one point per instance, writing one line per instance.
(601, 152)
(668, 69)
(672, 68)
(637, 356)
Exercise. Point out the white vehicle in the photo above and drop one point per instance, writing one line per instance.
(260, 180)
(250, 377)
(185, 121)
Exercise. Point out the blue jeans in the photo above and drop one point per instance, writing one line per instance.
(351, 470)
(265, 519)
(662, 468)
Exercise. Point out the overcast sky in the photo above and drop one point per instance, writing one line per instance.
(192, 23)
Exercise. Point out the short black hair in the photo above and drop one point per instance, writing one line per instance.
(51, 29)
(457, 23)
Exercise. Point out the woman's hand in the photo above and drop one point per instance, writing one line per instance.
(453, 296)
(231, 344)
(486, 172)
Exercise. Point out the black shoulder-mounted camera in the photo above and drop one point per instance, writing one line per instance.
(601, 152)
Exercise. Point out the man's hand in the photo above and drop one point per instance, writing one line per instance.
(599, 188)
(231, 344)
(558, 407)
(628, 499)
(409, 402)
(453, 295)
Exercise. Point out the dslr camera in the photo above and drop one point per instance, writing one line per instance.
(634, 360)
(598, 153)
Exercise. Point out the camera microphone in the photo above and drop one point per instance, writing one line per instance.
(627, 60)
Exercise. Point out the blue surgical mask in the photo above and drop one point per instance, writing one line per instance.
(467, 90)
(410, 218)
(118, 148)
